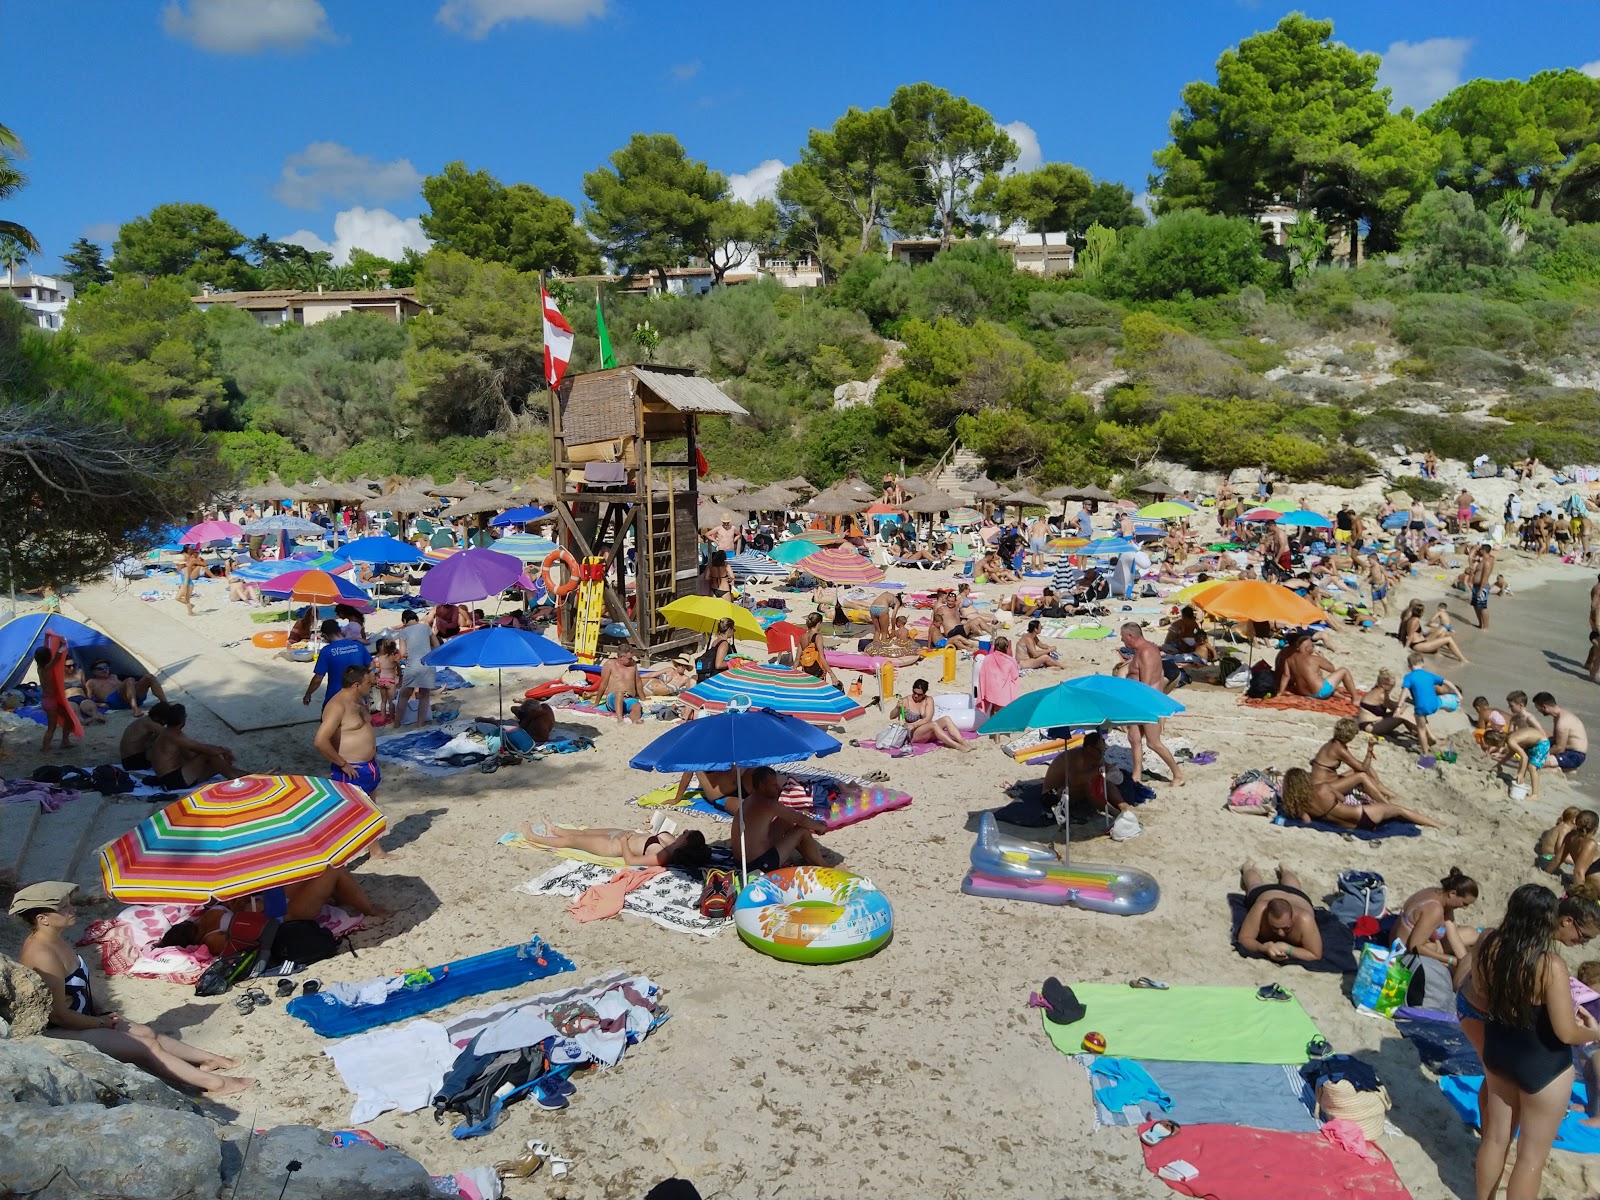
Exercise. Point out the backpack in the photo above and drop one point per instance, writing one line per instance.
(111, 780)
(301, 942)
(1263, 682)
(226, 971)
(1360, 894)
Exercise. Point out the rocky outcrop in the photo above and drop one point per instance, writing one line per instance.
(24, 1000)
(350, 1173)
(88, 1152)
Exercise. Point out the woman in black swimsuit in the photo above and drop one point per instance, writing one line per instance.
(1307, 801)
(717, 579)
(1335, 753)
(687, 849)
(1531, 1023)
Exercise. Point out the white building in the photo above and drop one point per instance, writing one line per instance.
(44, 296)
(288, 306)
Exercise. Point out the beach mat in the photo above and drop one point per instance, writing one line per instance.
(1574, 1135)
(417, 750)
(1389, 829)
(583, 856)
(1339, 953)
(913, 751)
(504, 968)
(671, 899)
(1256, 1095)
(661, 798)
(1235, 1163)
(1188, 1024)
(1440, 1043)
(1333, 706)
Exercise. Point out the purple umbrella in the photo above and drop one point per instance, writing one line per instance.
(470, 575)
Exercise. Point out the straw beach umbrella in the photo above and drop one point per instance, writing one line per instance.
(456, 488)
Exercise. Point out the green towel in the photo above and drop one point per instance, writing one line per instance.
(1088, 632)
(1188, 1024)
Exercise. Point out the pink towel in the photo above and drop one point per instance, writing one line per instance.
(1347, 1135)
(997, 681)
(605, 899)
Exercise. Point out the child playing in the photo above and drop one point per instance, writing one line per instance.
(1426, 688)
(1578, 847)
(1486, 719)
(1527, 738)
(386, 668)
(1552, 839)
(1586, 1059)
(1441, 618)
(1501, 587)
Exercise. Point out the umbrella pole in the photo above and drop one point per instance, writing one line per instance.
(744, 865)
(500, 694)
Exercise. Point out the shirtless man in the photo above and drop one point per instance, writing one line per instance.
(346, 740)
(770, 833)
(180, 762)
(102, 685)
(619, 687)
(1280, 922)
(724, 537)
(1033, 652)
(138, 737)
(1145, 666)
(1592, 663)
(1480, 577)
(1569, 740)
(1038, 534)
(1304, 672)
(1081, 772)
(945, 626)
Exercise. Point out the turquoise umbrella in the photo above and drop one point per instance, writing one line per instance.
(1087, 701)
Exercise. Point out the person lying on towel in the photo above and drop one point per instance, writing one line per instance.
(634, 847)
(1280, 922)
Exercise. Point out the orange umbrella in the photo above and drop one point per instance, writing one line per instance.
(1257, 600)
(319, 587)
(879, 509)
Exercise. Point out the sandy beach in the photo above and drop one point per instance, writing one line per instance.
(919, 1071)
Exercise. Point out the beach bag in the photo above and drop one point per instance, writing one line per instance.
(1263, 682)
(808, 656)
(1371, 974)
(1359, 894)
(1253, 794)
(111, 780)
(893, 736)
(226, 971)
(1432, 985)
(298, 942)
(1396, 984)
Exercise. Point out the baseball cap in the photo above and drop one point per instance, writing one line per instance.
(49, 894)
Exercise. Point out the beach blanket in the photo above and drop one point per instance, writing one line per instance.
(419, 750)
(671, 899)
(693, 802)
(48, 796)
(912, 751)
(1441, 1045)
(1257, 1095)
(1333, 706)
(1462, 1092)
(1389, 829)
(1339, 951)
(1188, 1024)
(582, 856)
(1266, 1164)
(473, 976)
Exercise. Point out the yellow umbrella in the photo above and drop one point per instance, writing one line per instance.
(701, 614)
(1165, 510)
(1191, 593)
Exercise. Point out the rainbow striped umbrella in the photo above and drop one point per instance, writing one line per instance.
(439, 553)
(841, 565)
(782, 689)
(240, 836)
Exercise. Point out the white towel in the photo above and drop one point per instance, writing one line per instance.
(399, 1067)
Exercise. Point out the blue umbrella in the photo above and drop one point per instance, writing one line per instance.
(1087, 701)
(753, 564)
(739, 737)
(499, 647)
(519, 516)
(1309, 520)
(379, 550)
(1113, 545)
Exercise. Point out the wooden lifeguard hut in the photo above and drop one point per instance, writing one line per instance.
(623, 458)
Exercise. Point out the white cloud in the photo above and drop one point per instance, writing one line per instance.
(476, 18)
(683, 72)
(1143, 202)
(376, 230)
(247, 26)
(1029, 156)
(105, 232)
(1418, 73)
(327, 171)
(758, 183)
(1591, 68)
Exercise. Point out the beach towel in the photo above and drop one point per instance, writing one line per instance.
(1441, 1045)
(1235, 1163)
(418, 750)
(582, 856)
(504, 968)
(1333, 706)
(693, 802)
(601, 900)
(1188, 1024)
(997, 682)
(1462, 1092)
(671, 899)
(1338, 943)
(913, 750)
(1257, 1095)
(1389, 829)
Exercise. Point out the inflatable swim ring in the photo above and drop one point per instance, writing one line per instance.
(271, 639)
(813, 915)
(1013, 870)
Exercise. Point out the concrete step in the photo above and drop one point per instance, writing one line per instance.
(17, 823)
(118, 814)
(59, 837)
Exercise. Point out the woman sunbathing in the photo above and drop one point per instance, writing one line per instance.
(1335, 753)
(634, 848)
(1413, 636)
(1306, 802)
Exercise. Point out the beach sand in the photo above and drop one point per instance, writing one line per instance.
(917, 1072)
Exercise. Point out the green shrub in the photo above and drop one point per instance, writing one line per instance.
(1468, 366)
(1429, 320)
(1184, 255)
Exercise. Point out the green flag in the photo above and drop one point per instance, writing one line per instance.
(607, 358)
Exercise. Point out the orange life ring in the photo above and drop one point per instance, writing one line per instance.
(559, 555)
(271, 639)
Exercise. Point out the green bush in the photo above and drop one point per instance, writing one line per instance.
(1185, 255)
(1452, 244)
(1428, 321)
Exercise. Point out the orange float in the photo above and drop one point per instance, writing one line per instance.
(271, 639)
(564, 557)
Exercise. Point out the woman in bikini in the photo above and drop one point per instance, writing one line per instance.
(1426, 923)
(717, 579)
(1335, 753)
(1413, 636)
(634, 848)
(812, 654)
(716, 654)
(1383, 707)
(882, 611)
(1578, 848)
(1307, 802)
(1032, 652)
(920, 717)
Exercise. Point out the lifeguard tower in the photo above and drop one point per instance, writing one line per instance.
(623, 457)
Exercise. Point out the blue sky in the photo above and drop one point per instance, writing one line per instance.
(318, 119)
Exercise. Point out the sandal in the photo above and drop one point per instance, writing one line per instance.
(245, 1004)
(1144, 981)
(521, 1167)
(1318, 1047)
(285, 988)
(1272, 991)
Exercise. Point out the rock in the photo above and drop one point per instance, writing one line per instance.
(24, 999)
(86, 1152)
(125, 1083)
(351, 1173)
(43, 1070)
(848, 395)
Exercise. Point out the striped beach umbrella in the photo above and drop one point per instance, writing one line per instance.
(526, 546)
(241, 836)
(437, 554)
(318, 587)
(841, 565)
(782, 689)
(755, 565)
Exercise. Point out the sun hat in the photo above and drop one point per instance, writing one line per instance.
(49, 894)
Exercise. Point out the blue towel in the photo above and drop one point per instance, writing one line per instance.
(1388, 829)
(1574, 1135)
(489, 972)
(1256, 1095)
(1130, 1084)
(1440, 1044)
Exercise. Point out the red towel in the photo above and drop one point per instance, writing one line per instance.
(1265, 1164)
(1334, 706)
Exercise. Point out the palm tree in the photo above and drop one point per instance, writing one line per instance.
(282, 275)
(11, 181)
(343, 279)
(13, 254)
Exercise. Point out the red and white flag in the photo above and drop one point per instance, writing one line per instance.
(557, 341)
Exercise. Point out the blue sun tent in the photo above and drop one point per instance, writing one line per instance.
(20, 637)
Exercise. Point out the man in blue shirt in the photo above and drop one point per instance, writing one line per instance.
(339, 653)
(1427, 693)
(1085, 522)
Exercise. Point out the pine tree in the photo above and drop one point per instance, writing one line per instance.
(85, 265)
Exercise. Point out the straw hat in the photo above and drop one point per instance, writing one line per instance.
(1339, 1100)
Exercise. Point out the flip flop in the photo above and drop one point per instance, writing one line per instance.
(1272, 991)
(1144, 981)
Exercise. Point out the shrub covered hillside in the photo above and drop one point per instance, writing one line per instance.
(1440, 286)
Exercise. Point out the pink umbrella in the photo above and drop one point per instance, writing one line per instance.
(318, 587)
(470, 575)
(210, 531)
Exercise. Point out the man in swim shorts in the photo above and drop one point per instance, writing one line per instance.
(619, 687)
(180, 762)
(346, 740)
(1280, 922)
(1569, 740)
(1480, 577)
(774, 834)
(138, 737)
(125, 692)
(1307, 673)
